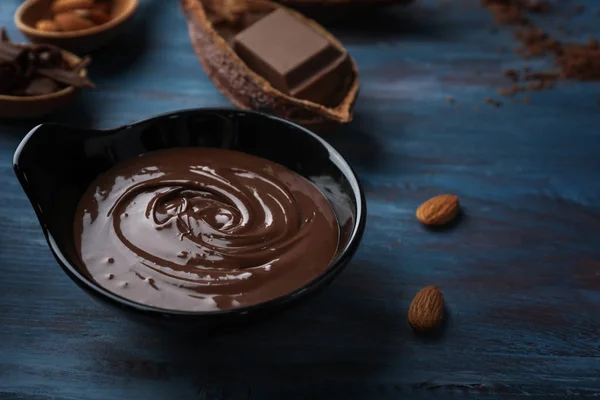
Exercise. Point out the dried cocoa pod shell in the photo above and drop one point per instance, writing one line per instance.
(248, 90)
(321, 3)
(343, 9)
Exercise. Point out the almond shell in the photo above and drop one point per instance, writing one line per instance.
(248, 90)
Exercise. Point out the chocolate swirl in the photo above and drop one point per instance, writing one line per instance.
(203, 229)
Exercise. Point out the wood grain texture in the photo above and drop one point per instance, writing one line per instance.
(520, 271)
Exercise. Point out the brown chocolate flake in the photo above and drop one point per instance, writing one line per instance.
(449, 99)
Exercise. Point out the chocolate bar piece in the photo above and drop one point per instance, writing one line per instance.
(293, 57)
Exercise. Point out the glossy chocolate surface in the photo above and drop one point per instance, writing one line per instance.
(203, 229)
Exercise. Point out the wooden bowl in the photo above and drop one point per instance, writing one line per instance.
(80, 42)
(39, 106)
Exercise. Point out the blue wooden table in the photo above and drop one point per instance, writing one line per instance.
(520, 271)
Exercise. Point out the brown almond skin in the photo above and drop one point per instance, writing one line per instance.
(61, 6)
(248, 91)
(97, 16)
(102, 5)
(427, 309)
(70, 21)
(439, 210)
(47, 25)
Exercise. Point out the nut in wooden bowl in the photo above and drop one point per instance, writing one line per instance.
(234, 40)
(76, 25)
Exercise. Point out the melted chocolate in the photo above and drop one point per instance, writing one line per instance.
(201, 229)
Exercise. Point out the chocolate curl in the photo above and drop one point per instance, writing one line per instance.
(69, 77)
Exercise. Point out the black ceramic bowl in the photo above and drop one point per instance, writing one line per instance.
(56, 163)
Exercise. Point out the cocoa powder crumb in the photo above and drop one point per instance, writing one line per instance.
(536, 85)
(493, 102)
(541, 76)
(512, 12)
(511, 91)
(578, 9)
(579, 61)
(575, 60)
(512, 74)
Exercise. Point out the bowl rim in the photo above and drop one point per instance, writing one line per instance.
(73, 58)
(130, 9)
(334, 267)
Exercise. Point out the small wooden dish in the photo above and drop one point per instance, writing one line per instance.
(82, 41)
(39, 106)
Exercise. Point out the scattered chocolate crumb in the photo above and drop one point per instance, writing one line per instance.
(525, 100)
(511, 91)
(538, 6)
(507, 12)
(535, 42)
(111, 260)
(512, 74)
(493, 102)
(575, 60)
(110, 276)
(578, 10)
(541, 76)
(449, 99)
(535, 85)
(580, 61)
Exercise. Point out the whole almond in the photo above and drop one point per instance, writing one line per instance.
(61, 6)
(47, 25)
(97, 16)
(439, 210)
(427, 309)
(102, 5)
(70, 21)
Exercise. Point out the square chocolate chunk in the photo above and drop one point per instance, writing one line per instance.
(293, 57)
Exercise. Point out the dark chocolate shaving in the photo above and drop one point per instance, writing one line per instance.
(31, 70)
